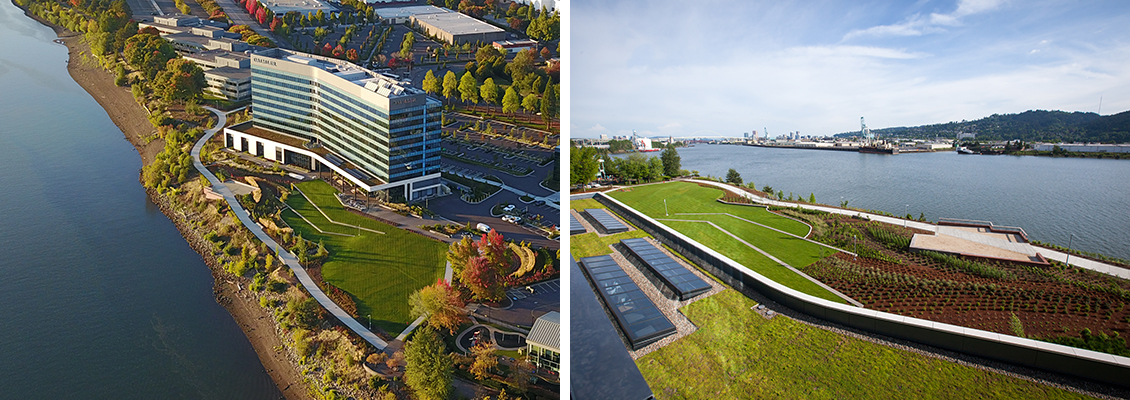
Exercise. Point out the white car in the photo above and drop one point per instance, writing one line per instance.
(508, 208)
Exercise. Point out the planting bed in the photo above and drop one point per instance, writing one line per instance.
(1051, 302)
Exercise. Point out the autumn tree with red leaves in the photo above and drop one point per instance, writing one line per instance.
(482, 266)
(484, 280)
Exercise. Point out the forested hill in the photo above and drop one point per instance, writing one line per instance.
(1029, 126)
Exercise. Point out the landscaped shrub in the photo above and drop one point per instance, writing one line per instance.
(970, 267)
(1102, 342)
(891, 239)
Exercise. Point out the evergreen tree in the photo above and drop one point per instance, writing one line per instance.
(429, 368)
(672, 163)
(734, 177)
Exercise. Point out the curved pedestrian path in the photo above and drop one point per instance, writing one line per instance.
(285, 256)
(493, 336)
(1048, 253)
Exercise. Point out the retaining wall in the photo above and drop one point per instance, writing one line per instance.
(1053, 357)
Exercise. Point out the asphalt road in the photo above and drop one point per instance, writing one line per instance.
(454, 208)
(524, 310)
(142, 9)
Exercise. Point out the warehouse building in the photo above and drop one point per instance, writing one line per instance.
(456, 28)
(402, 15)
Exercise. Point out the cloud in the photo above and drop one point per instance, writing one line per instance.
(597, 129)
(917, 25)
(808, 80)
(854, 51)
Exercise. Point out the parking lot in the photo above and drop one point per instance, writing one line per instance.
(527, 307)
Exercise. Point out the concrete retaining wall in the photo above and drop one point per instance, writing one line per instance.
(1053, 357)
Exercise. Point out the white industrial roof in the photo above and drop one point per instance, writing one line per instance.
(408, 11)
(547, 331)
(457, 23)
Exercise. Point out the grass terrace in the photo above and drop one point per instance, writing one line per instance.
(590, 244)
(738, 354)
(378, 270)
(684, 199)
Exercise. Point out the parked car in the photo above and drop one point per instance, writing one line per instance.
(508, 208)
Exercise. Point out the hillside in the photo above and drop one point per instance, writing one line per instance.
(1029, 126)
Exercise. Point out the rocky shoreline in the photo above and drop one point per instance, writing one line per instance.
(258, 324)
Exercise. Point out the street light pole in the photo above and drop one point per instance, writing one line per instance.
(370, 322)
(1068, 262)
(906, 212)
(665, 208)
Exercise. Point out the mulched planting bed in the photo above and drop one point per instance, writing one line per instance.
(1051, 302)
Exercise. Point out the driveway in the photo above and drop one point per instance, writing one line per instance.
(526, 306)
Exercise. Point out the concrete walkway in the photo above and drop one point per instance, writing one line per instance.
(1047, 253)
(285, 256)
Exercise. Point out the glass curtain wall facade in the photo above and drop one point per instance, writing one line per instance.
(390, 131)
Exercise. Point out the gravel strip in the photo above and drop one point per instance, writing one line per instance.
(669, 307)
(584, 222)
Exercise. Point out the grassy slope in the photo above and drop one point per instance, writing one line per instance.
(738, 354)
(685, 197)
(380, 271)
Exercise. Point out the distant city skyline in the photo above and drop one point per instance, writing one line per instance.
(727, 68)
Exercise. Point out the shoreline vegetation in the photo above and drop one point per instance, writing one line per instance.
(256, 323)
(276, 351)
(152, 95)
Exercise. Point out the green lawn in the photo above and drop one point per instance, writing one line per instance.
(683, 197)
(582, 204)
(378, 270)
(737, 354)
(751, 259)
(590, 244)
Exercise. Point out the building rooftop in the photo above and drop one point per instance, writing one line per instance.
(230, 73)
(601, 366)
(211, 55)
(457, 23)
(515, 43)
(408, 11)
(379, 83)
(546, 331)
(303, 6)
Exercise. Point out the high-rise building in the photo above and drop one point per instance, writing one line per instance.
(325, 114)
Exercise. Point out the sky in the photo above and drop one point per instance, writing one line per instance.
(723, 68)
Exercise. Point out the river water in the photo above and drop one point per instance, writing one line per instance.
(1051, 198)
(100, 297)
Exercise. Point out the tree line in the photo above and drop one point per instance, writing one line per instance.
(1028, 126)
(584, 164)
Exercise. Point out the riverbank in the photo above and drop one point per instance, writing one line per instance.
(257, 323)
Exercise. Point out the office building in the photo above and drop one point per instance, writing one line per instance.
(324, 114)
